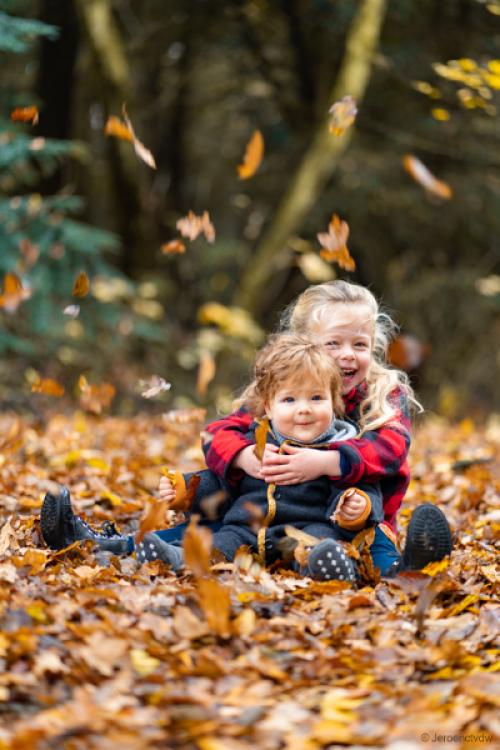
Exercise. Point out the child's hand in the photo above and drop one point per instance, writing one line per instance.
(352, 507)
(248, 462)
(166, 489)
(295, 466)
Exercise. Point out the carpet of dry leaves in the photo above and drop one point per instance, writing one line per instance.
(98, 652)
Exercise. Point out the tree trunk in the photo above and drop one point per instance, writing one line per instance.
(319, 161)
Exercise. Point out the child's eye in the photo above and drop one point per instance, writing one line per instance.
(361, 344)
(289, 399)
(334, 342)
(317, 397)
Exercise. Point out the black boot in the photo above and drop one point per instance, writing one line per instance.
(61, 527)
(428, 539)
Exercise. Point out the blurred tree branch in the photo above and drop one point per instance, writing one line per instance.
(320, 160)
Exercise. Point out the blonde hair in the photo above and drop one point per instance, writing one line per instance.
(310, 310)
(290, 358)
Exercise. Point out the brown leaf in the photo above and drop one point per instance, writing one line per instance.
(48, 386)
(29, 251)
(216, 605)
(343, 113)
(261, 437)
(25, 114)
(197, 547)
(174, 247)
(425, 178)
(206, 372)
(253, 156)
(81, 287)
(95, 398)
(125, 131)
(334, 245)
(153, 519)
(210, 505)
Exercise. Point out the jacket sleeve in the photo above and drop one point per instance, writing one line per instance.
(209, 484)
(224, 439)
(375, 455)
(374, 513)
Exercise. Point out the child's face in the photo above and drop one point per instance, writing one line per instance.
(301, 411)
(349, 339)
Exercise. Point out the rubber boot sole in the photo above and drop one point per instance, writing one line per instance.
(428, 538)
(55, 509)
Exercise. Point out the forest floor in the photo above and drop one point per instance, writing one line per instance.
(99, 652)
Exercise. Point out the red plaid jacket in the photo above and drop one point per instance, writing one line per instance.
(378, 456)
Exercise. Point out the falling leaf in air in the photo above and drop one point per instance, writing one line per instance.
(343, 113)
(48, 386)
(174, 247)
(81, 287)
(153, 386)
(125, 132)
(253, 156)
(333, 243)
(13, 293)
(197, 546)
(154, 518)
(29, 251)
(115, 127)
(25, 114)
(425, 178)
(407, 352)
(191, 226)
(206, 372)
(261, 437)
(95, 398)
(72, 311)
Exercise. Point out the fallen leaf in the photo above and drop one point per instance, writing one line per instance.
(48, 386)
(142, 662)
(216, 605)
(425, 178)
(253, 156)
(8, 538)
(334, 245)
(25, 114)
(81, 287)
(343, 113)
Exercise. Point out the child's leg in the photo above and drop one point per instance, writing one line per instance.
(328, 560)
(176, 533)
(384, 552)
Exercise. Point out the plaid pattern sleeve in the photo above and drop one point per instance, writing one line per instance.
(380, 455)
(228, 437)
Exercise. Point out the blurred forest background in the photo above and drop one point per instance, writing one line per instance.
(198, 79)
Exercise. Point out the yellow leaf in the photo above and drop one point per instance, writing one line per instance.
(142, 662)
(433, 568)
(115, 500)
(261, 437)
(206, 372)
(253, 156)
(440, 114)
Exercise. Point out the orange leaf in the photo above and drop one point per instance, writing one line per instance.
(343, 113)
(48, 386)
(253, 156)
(13, 293)
(197, 547)
(174, 247)
(261, 437)
(153, 519)
(216, 605)
(115, 127)
(81, 286)
(206, 372)
(95, 398)
(333, 243)
(407, 352)
(425, 178)
(25, 114)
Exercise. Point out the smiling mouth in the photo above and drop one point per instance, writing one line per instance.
(346, 373)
